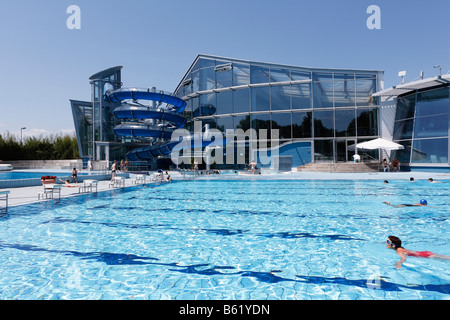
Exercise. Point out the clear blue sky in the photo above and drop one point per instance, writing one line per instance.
(43, 64)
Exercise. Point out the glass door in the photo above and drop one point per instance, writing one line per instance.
(344, 152)
(350, 151)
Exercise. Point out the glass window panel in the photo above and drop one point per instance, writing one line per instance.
(301, 96)
(207, 105)
(323, 150)
(403, 129)
(323, 124)
(224, 123)
(434, 126)
(187, 113)
(367, 122)
(405, 107)
(323, 91)
(185, 90)
(224, 102)
(430, 151)
(206, 63)
(282, 122)
(241, 74)
(224, 78)
(432, 103)
(242, 122)
(261, 122)
(196, 107)
(196, 65)
(301, 124)
(207, 79)
(241, 100)
(344, 90)
(195, 81)
(259, 74)
(279, 75)
(345, 123)
(260, 99)
(300, 75)
(180, 92)
(365, 88)
(211, 122)
(403, 155)
(281, 99)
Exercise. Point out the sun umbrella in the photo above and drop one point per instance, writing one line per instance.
(379, 143)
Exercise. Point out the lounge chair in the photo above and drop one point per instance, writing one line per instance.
(140, 178)
(88, 186)
(50, 190)
(117, 182)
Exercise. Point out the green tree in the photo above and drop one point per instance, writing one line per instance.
(53, 147)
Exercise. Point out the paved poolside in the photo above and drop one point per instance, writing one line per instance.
(28, 195)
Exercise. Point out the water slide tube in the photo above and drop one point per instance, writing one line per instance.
(136, 124)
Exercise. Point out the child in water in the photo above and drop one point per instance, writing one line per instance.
(396, 244)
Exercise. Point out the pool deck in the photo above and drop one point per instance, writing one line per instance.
(29, 195)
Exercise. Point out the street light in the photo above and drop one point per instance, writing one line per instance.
(440, 69)
(21, 129)
(402, 74)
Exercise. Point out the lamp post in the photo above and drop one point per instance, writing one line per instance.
(440, 69)
(21, 129)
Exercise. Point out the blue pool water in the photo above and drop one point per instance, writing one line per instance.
(229, 240)
(12, 175)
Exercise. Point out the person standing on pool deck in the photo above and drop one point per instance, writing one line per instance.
(74, 175)
(396, 244)
(422, 203)
(113, 170)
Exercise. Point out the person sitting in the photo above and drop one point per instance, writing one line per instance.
(253, 166)
(356, 158)
(396, 165)
(385, 165)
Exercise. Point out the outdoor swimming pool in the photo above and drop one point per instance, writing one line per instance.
(229, 240)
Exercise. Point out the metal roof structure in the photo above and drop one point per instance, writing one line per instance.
(414, 86)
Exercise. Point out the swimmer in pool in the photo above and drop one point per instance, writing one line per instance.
(422, 203)
(396, 244)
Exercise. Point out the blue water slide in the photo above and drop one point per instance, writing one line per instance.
(140, 130)
(135, 124)
(139, 94)
(166, 148)
(130, 112)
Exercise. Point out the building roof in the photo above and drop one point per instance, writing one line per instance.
(103, 73)
(414, 86)
(299, 68)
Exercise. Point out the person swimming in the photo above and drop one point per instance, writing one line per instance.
(395, 243)
(422, 202)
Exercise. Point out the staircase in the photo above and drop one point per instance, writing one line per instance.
(340, 167)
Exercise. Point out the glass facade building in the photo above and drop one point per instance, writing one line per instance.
(422, 127)
(319, 113)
